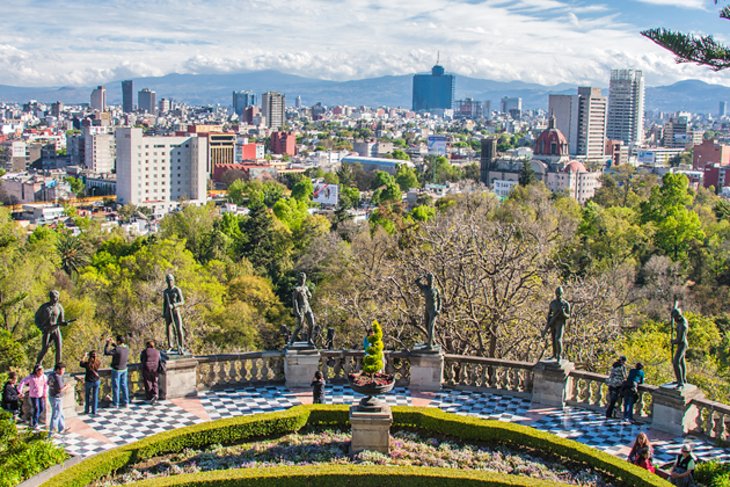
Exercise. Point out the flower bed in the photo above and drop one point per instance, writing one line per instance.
(331, 447)
(232, 431)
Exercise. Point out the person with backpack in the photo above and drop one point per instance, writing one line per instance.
(631, 391)
(615, 382)
(683, 469)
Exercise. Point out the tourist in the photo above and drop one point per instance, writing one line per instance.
(92, 380)
(318, 388)
(683, 468)
(616, 378)
(56, 388)
(366, 340)
(120, 355)
(150, 360)
(642, 453)
(11, 396)
(631, 391)
(37, 393)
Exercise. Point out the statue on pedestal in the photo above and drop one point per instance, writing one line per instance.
(558, 316)
(678, 361)
(173, 302)
(432, 309)
(303, 313)
(49, 318)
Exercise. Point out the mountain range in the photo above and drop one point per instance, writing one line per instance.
(204, 89)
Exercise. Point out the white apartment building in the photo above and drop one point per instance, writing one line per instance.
(582, 119)
(100, 149)
(626, 106)
(160, 172)
(98, 99)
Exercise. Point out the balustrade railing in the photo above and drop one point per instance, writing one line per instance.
(590, 391)
(488, 373)
(135, 384)
(713, 419)
(336, 365)
(219, 371)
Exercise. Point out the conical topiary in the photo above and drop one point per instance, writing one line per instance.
(373, 361)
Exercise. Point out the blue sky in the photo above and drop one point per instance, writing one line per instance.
(84, 42)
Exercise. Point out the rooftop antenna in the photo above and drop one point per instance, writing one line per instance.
(438, 56)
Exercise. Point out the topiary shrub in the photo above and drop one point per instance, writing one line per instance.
(373, 361)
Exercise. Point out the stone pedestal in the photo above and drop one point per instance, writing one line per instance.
(69, 398)
(300, 366)
(427, 369)
(551, 382)
(370, 431)
(673, 411)
(180, 379)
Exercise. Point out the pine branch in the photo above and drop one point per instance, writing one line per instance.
(702, 50)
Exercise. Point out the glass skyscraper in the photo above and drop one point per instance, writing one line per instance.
(433, 91)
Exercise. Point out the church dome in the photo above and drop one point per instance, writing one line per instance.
(575, 166)
(551, 142)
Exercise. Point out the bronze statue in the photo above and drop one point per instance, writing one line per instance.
(303, 312)
(433, 307)
(173, 301)
(558, 316)
(49, 318)
(678, 361)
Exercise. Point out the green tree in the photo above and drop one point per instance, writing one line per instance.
(527, 174)
(237, 193)
(77, 185)
(400, 155)
(303, 189)
(349, 197)
(406, 177)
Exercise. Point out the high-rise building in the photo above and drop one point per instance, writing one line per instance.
(56, 109)
(433, 91)
(722, 109)
(127, 96)
(272, 107)
(98, 99)
(626, 106)
(468, 108)
(298, 102)
(243, 100)
(100, 149)
(158, 172)
(147, 101)
(512, 106)
(582, 118)
(164, 106)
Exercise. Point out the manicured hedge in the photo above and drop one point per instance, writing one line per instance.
(430, 420)
(351, 475)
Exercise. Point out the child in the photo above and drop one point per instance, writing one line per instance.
(11, 397)
(318, 388)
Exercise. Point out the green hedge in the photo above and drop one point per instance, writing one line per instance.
(430, 420)
(339, 475)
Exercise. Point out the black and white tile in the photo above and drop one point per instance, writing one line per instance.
(482, 404)
(343, 394)
(81, 446)
(249, 400)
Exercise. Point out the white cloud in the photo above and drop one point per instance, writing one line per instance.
(690, 4)
(545, 41)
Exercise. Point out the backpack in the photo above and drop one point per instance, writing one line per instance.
(615, 377)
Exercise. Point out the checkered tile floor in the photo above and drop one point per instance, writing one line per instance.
(251, 400)
(122, 426)
(341, 394)
(482, 404)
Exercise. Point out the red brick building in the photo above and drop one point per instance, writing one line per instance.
(283, 143)
(708, 153)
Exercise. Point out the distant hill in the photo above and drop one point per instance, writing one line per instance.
(201, 89)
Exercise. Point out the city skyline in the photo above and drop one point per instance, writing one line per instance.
(544, 41)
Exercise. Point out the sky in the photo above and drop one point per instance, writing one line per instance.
(87, 42)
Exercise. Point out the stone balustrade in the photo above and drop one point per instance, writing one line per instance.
(665, 408)
(712, 419)
(461, 371)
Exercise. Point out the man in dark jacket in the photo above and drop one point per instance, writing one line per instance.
(120, 355)
(150, 361)
(11, 398)
(615, 381)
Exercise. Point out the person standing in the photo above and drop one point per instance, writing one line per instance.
(318, 384)
(92, 380)
(683, 468)
(11, 396)
(642, 453)
(56, 388)
(37, 393)
(631, 391)
(150, 361)
(120, 356)
(616, 378)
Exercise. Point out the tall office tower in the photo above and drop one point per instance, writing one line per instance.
(487, 109)
(489, 156)
(722, 111)
(127, 96)
(243, 100)
(56, 109)
(147, 101)
(582, 119)
(626, 106)
(272, 107)
(98, 99)
(433, 91)
(159, 171)
(298, 102)
(511, 106)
